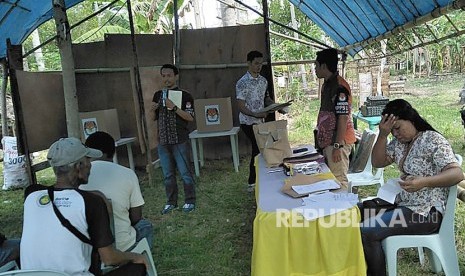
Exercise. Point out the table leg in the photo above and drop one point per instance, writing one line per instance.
(234, 152)
(115, 158)
(201, 152)
(237, 149)
(194, 156)
(130, 156)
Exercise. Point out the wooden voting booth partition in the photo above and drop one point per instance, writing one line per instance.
(211, 62)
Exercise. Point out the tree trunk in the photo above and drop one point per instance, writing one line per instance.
(38, 53)
(296, 35)
(198, 19)
(228, 13)
(381, 68)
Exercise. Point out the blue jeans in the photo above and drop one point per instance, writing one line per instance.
(172, 157)
(144, 229)
(398, 221)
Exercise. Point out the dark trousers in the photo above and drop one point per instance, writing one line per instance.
(398, 221)
(248, 130)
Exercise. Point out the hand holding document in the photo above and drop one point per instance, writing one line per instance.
(176, 97)
(390, 190)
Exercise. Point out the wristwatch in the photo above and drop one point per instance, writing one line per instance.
(175, 108)
(337, 146)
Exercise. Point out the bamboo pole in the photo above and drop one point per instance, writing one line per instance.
(177, 38)
(15, 63)
(67, 65)
(140, 97)
(3, 98)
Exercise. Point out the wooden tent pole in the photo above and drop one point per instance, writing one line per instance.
(268, 72)
(3, 98)
(67, 65)
(140, 98)
(15, 62)
(177, 44)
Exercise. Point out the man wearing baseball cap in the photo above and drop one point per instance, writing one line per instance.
(63, 226)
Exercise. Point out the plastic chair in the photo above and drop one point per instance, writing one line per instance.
(34, 273)
(11, 265)
(420, 249)
(442, 244)
(366, 177)
(142, 247)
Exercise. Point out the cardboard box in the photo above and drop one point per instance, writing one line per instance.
(213, 115)
(101, 120)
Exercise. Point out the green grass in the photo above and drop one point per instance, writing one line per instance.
(216, 239)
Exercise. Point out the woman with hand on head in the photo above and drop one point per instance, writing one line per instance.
(428, 168)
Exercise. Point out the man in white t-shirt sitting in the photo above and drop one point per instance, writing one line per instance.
(121, 186)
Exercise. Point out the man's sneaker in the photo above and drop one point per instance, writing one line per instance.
(168, 208)
(251, 187)
(188, 207)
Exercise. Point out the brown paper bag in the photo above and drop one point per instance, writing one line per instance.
(273, 142)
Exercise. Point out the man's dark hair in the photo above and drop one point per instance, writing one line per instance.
(170, 66)
(328, 57)
(253, 55)
(102, 141)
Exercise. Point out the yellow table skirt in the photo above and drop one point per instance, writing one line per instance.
(308, 247)
(285, 244)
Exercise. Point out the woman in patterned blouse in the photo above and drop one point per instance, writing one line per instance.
(428, 168)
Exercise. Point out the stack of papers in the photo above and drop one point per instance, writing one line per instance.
(315, 210)
(325, 204)
(323, 185)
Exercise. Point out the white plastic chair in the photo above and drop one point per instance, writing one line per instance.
(366, 177)
(441, 246)
(420, 249)
(33, 273)
(11, 265)
(143, 247)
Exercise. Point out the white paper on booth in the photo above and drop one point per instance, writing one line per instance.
(316, 210)
(389, 190)
(176, 97)
(316, 187)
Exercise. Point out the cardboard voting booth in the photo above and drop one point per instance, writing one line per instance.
(213, 115)
(101, 120)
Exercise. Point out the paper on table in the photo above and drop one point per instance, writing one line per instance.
(315, 187)
(176, 97)
(316, 210)
(330, 196)
(389, 190)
